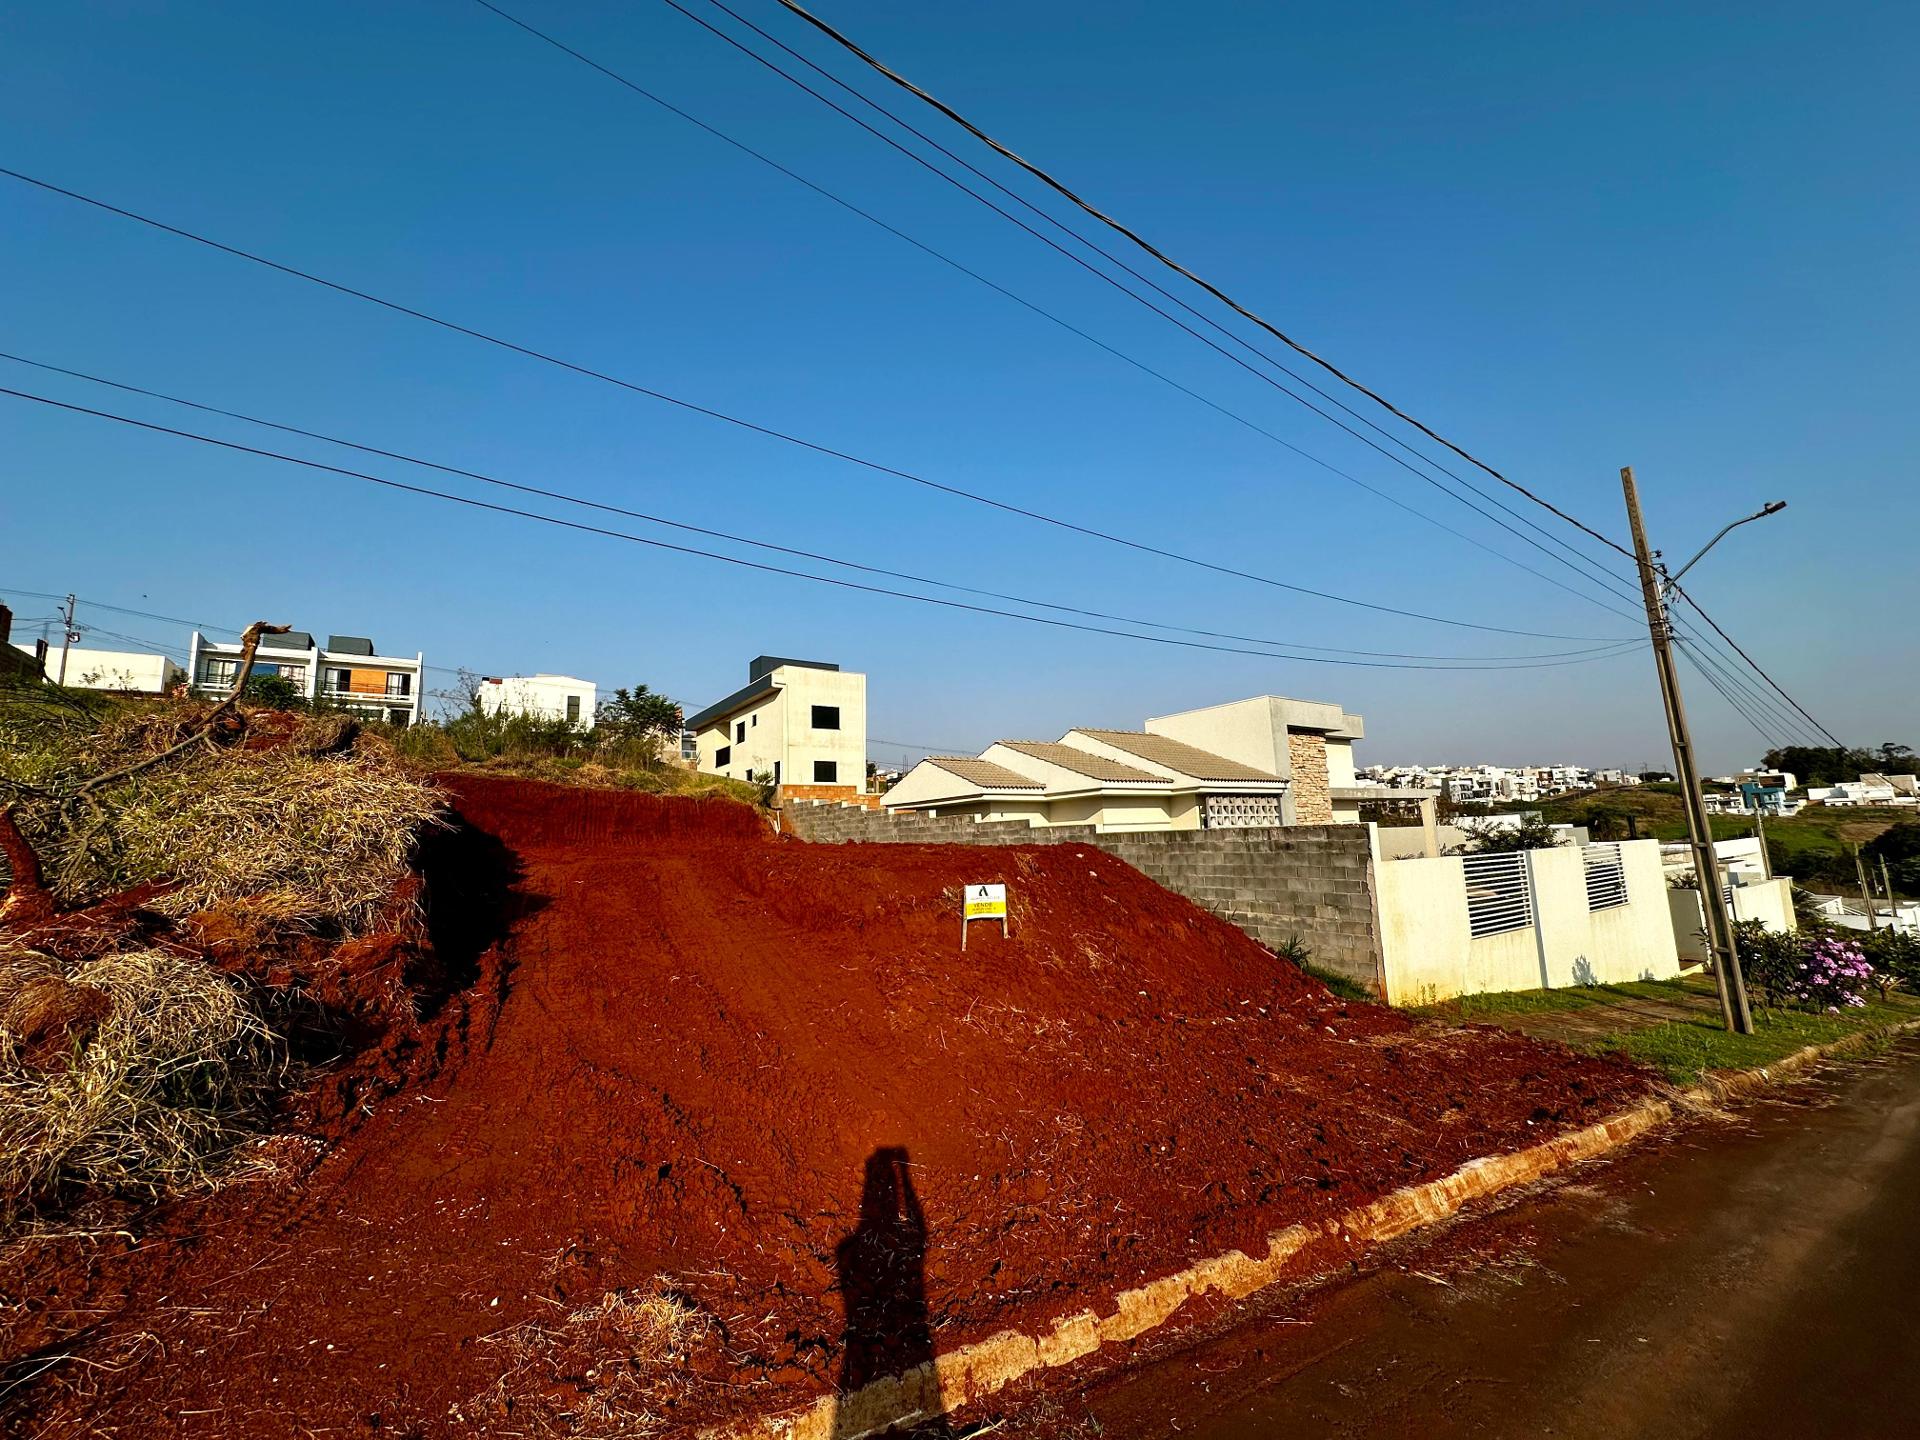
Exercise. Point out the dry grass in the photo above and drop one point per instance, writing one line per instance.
(137, 1073)
(309, 833)
(613, 1367)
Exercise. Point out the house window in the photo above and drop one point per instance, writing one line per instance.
(722, 757)
(739, 731)
(573, 709)
(776, 772)
(399, 683)
(296, 673)
(826, 717)
(341, 680)
(826, 772)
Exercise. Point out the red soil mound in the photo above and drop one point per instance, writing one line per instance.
(708, 1044)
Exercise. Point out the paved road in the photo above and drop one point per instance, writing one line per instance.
(1753, 1276)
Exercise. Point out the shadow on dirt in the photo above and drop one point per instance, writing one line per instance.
(882, 1267)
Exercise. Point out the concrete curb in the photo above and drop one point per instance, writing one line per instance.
(972, 1372)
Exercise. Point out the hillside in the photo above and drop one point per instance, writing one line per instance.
(720, 1121)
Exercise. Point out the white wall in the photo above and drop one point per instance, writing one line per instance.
(544, 696)
(1430, 954)
(112, 669)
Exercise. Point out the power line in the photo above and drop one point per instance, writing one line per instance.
(743, 540)
(1575, 565)
(1744, 710)
(468, 501)
(1755, 666)
(1041, 175)
(628, 83)
(768, 431)
(1731, 671)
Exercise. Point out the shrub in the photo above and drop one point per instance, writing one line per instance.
(1815, 969)
(1896, 955)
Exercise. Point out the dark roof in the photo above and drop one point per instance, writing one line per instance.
(764, 665)
(1082, 762)
(292, 640)
(984, 773)
(720, 709)
(350, 644)
(1180, 757)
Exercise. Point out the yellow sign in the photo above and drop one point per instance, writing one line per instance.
(982, 902)
(986, 902)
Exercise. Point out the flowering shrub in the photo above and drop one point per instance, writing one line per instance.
(1821, 971)
(1896, 956)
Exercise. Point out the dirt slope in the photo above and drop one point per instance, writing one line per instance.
(681, 1063)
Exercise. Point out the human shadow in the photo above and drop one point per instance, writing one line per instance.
(889, 1337)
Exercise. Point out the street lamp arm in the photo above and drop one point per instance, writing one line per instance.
(1770, 508)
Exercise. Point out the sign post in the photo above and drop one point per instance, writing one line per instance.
(983, 902)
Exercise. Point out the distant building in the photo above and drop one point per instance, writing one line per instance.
(17, 662)
(549, 697)
(345, 672)
(800, 723)
(1255, 763)
(126, 672)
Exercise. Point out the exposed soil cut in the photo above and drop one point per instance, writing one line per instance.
(755, 1074)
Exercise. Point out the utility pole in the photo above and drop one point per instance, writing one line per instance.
(1733, 989)
(1866, 892)
(1886, 884)
(67, 637)
(1760, 834)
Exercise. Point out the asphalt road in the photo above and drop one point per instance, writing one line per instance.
(1755, 1275)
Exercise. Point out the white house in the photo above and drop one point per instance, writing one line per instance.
(1262, 762)
(130, 672)
(800, 723)
(548, 697)
(344, 672)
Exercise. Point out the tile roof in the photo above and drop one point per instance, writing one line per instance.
(1082, 762)
(984, 773)
(1179, 756)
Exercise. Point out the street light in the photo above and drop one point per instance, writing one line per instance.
(1655, 586)
(1772, 507)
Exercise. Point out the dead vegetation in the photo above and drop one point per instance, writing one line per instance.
(131, 1063)
(137, 1073)
(614, 1367)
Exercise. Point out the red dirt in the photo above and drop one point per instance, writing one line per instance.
(679, 1065)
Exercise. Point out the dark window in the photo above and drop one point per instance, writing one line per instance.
(339, 679)
(776, 772)
(756, 719)
(825, 772)
(826, 717)
(739, 731)
(573, 709)
(722, 756)
(398, 684)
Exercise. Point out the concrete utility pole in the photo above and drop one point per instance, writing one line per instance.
(1760, 834)
(1886, 884)
(67, 637)
(1733, 989)
(1866, 892)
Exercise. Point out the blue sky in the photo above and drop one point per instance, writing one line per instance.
(1571, 236)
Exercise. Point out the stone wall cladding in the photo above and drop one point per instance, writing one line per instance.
(1314, 882)
(1311, 790)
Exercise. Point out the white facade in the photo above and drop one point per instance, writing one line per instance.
(129, 671)
(1534, 920)
(800, 723)
(547, 697)
(345, 672)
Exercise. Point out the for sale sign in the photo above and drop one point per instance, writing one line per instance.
(982, 902)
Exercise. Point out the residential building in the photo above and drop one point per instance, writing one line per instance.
(800, 723)
(18, 662)
(546, 697)
(1900, 790)
(345, 672)
(1253, 763)
(126, 672)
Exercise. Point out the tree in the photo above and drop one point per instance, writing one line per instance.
(638, 714)
(1608, 822)
(1817, 765)
(1899, 846)
(1895, 759)
(1532, 833)
(276, 692)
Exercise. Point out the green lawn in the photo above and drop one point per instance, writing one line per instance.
(1686, 1049)
(1490, 1008)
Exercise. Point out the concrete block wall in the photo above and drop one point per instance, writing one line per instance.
(1310, 881)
